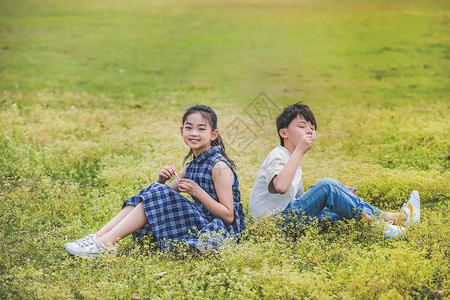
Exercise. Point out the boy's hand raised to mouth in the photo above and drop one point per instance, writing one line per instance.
(305, 144)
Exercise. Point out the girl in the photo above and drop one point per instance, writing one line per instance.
(215, 216)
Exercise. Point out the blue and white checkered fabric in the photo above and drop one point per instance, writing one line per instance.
(173, 218)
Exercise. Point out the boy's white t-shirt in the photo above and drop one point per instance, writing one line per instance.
(264, 203)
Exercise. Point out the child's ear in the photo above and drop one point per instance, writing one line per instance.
(283, 133)
(181, 130)
(214, 134)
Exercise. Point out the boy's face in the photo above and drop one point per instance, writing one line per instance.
(297, 130)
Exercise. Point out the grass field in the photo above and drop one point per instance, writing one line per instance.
(92, 94)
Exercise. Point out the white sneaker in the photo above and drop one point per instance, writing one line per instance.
(412, 209)
(390, 230)
(89, 236)
(88, 246)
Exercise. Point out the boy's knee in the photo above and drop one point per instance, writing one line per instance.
(327, 181)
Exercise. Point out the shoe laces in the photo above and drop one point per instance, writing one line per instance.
(85, 241)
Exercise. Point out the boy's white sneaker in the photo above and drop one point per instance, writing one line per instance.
(412, 209)
(391, 231)
(88, 246)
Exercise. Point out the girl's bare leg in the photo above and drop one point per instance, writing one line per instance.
(134, 220)
(116, 220)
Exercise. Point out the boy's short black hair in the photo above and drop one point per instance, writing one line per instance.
(290, 113)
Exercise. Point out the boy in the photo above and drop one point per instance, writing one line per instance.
(278, 188)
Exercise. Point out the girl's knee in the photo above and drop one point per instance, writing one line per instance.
(162, 190)
(149, 188)
(161, 187)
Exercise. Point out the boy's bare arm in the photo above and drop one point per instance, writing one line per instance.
(281, 182)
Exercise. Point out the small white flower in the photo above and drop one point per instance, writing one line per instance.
(121, 70)
(14, 105)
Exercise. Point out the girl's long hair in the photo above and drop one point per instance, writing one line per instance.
(209, 114)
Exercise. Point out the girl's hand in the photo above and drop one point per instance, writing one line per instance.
(165, 174)
(189, 186)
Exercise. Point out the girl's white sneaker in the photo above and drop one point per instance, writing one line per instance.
(88, 246)
(82, 240)
(412, 209)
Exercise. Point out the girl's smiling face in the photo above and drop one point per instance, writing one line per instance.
(197, 133)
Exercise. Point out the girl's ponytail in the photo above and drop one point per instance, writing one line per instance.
(219, 142)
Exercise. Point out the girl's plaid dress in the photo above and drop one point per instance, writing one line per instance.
(172, 218)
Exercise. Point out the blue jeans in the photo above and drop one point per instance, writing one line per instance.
(328, 199)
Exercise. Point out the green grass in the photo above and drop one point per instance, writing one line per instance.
(92, 94)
